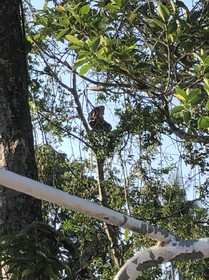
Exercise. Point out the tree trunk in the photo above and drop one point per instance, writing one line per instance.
(110, 230)
(16, 139)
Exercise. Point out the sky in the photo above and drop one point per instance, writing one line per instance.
(38, 4)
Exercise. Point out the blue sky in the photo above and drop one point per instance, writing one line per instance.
(39, 3)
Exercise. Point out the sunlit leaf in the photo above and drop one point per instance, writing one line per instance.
(118, 3)
(180, 94)
(73, 39)
(203, 122)
(207, 105)
(36, 36)
(133, 14)
(206, 88)
(206, 81)
(85, 10)
(163, 12)
(198, 57)
(206, 61)
(60, 9)
(84, 69)
(173, 5)
(80, 62)
(128, 49)
(195, 96)
(126, 234)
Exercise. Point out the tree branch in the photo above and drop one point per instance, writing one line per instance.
(173, 251)
(182, 134)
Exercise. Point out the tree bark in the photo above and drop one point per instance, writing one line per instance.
(16, 139)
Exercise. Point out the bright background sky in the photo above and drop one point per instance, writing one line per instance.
(38, 4)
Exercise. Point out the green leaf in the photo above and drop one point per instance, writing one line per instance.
(74, 40)
(180, 97)
(173, 5)
(118, 3)
(80, 61)
(172, 27)
(157, 23)
(133, 14)
(163, 12)
(206, 81)
(194, 96)
(94, 43)
(85, 10)
(126, 233)
(171, 38)
(191, 93)
(206, 88)
(60, 9)
(102, 52)
(198, 57)
(27, 272)
(203, 122)
(112, 6)
(182, 24)
(180, 94)
(206, 85)
(206, 61)
(177, 109)
(36, 37)
(206, 72)
(84, 69)
(207, 105)
(186, 116)
(128, 49)
(61, 33)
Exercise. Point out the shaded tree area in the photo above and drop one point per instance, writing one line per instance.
(16, 141)
(147, 64)
(17, 153)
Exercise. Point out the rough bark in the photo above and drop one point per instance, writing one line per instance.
(16, 140)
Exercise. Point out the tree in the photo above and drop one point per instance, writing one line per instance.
(148, 62)
(17, 153)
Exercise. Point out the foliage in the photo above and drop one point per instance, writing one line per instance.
(148, 63)
(41, 252)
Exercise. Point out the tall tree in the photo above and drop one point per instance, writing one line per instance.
(16, 143)
(16, 139)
